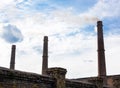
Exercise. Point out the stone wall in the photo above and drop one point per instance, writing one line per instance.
(78, 84)
(56, 79)
(61, 82)
(114, 81)
(17, 79)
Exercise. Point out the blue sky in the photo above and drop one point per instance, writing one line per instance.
(71, 27)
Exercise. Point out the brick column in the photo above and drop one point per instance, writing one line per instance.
(59, 74)
(101, 53)
(45, 56)
(12, 62)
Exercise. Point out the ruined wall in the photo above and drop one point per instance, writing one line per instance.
(62, 82)
(77, 84)
(17, 79)
(114, 81)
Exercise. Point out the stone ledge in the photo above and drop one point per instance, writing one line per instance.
(24, 76)
(76, 84)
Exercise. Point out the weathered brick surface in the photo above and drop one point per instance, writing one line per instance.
(18, 79)
(78, 84)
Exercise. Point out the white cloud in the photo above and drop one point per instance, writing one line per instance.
(74, 53)
(112, 53)
(4, 3)
(106, 8)
(71, 52)
(12, 34)
(75, 20)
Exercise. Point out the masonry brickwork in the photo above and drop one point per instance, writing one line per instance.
(55, 79)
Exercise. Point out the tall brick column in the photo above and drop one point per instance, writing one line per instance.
(101, 54)
(59, 74)
(45, 56)
(12, 62)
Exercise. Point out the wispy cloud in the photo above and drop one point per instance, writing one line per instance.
(106, 8)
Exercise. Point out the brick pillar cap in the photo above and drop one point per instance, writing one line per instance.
(99, 22)
(57, 70)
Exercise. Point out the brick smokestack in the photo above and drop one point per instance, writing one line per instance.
(45, 56)
(101, 53)
(12, 62)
